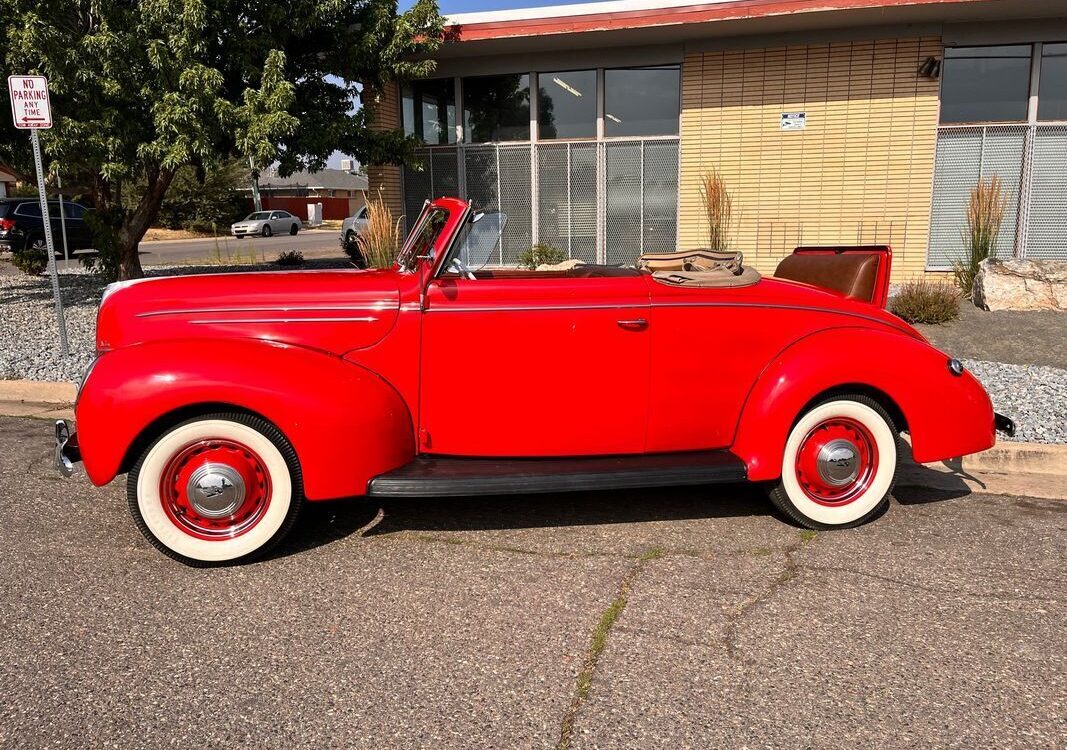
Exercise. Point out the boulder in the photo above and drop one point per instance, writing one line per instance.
(1021, 285)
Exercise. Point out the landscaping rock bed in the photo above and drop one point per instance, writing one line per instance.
(1034, 395)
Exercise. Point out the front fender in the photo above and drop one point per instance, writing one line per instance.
(947, 415)
(345, 423)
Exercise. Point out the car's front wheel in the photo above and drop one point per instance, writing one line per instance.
(839, 465)
(217, 489)
(266, 230)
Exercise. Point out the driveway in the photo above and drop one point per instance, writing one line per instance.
(688, 618)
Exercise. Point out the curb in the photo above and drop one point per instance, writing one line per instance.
(1019, 458)
(38, 391)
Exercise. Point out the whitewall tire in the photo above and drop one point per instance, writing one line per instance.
(218, 489)
(839, 465)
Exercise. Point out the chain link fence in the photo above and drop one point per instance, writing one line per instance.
(1031, 162)
(605, 202)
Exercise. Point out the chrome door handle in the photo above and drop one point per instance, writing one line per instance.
(635, 324)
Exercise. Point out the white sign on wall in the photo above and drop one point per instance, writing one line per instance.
(29, 102)
(794, 120)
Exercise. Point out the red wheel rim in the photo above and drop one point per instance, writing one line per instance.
(837, 461)
(215, 489)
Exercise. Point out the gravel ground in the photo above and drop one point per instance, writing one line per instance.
(487, 623)
(1035, 396)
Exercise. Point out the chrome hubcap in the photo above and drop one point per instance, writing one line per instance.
(215, 490)
(837, 462)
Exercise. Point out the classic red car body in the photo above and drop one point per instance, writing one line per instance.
(362, 371)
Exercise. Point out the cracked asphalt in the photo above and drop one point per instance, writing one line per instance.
(683, 618)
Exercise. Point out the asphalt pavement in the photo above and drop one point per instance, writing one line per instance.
(683, 618)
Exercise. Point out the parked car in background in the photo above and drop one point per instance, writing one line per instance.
(230, 399)
(22, 226)
(353, 225)
(265, 224)
(350, 228)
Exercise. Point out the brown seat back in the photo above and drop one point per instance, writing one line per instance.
(854, 275)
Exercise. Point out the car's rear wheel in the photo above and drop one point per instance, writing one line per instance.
(294, 229)
(840, 464)
(266, 230)
(218, 489)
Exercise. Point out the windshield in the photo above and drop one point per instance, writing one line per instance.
(258, 216)
(420, 241)
(478, 242)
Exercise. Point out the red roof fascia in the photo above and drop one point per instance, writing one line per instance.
(688, 14)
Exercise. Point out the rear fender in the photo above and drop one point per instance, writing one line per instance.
(946, 415)
(345, 423)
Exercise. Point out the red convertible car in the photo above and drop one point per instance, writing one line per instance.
(230, 399)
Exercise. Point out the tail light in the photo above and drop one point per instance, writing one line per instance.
(6, 225)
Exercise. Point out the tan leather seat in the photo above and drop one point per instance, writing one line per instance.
(854, 275)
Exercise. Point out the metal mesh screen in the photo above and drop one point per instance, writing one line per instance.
(965, 155)
(438, 175)
(566, 190)
(1046, 226)
(641, 206)
(659, 230)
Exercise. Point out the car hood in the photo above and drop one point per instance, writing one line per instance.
(334, 311)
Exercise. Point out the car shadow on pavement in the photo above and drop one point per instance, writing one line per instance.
(325, 522)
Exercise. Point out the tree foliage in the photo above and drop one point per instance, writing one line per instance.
(142, 88)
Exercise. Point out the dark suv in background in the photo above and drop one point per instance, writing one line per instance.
(22, 226)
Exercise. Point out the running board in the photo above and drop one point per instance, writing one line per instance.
(442, 476)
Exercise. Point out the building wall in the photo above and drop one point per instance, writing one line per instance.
(861, 171)
(383, 111)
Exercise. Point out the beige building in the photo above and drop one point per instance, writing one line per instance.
(835, 122)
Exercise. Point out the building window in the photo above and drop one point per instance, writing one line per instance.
(496, 108)
(985, 84)
(429, 110)
(1052, 103)
(566, 105)
(641, 101)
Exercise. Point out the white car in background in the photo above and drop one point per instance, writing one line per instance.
(266, 223)
(353, 225)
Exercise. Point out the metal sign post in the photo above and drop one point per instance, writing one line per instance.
(31, 111)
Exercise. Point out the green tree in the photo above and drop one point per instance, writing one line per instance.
(141, 88)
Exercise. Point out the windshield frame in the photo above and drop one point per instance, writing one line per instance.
(406, 259)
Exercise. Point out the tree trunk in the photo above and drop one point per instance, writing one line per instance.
(138, 222)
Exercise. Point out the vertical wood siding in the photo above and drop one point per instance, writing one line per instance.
(383, 111)
(861, 171)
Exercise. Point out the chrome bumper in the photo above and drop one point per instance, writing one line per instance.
(67, 453)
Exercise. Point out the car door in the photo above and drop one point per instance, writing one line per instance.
(534, 364)
(278, 223)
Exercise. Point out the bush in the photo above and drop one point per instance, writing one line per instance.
(290, 258)
(379, 242)
(985, 214)
(924, 301)
(718, 209)
(31, 260)
(541, 255)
